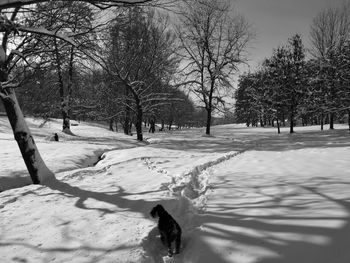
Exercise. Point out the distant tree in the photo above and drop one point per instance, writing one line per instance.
(315, 103)
(73, 18)
(287, 78)
(330, 32)
(297, 77)
(214, 40)
(180, 110)
(343, 76)
(246, 109)
(141, 59)
(277, 87)
(37, 95)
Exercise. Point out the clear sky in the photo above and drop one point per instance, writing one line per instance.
(277, 20)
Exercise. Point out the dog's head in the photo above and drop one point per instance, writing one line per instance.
(157, 211)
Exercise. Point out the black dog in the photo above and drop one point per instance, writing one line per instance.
(169, 230)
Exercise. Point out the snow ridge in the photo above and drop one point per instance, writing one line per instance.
(195, 183)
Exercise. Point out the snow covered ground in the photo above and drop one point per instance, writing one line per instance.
(69, 153)
(243, 195)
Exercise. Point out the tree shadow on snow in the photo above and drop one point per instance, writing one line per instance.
(95, 254)
(280, 228)
(15, 180)
(117, 198)
(120, 199)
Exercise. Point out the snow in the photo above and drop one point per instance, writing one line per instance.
(242, 195)
(69, 153)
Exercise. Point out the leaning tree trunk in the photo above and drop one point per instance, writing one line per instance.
(37, 169)
(278, 126)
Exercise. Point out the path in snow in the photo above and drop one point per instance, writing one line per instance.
(189, 188)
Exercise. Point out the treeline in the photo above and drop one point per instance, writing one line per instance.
(288, 87)
(122, 74)
(115, 61)
(132, 66)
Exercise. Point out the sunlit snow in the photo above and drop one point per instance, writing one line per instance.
(242, 195)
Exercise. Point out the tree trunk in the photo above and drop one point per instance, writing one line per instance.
(126, 121)
(66, 110)
(261, 122)
(291, 130)
(126, 125)
(349, 119)
(111, 124)
(65, 116)
(331, 121)
(152, 123)
(207, 131)
(37, 169)
(322, 118)
(130, 126)
(278, 126)
(138, 123)
(64, 99)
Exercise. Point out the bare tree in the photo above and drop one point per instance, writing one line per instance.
(140, 58)
(214, 39)
(74, 18)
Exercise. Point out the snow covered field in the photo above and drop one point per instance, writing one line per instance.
(243, 195)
